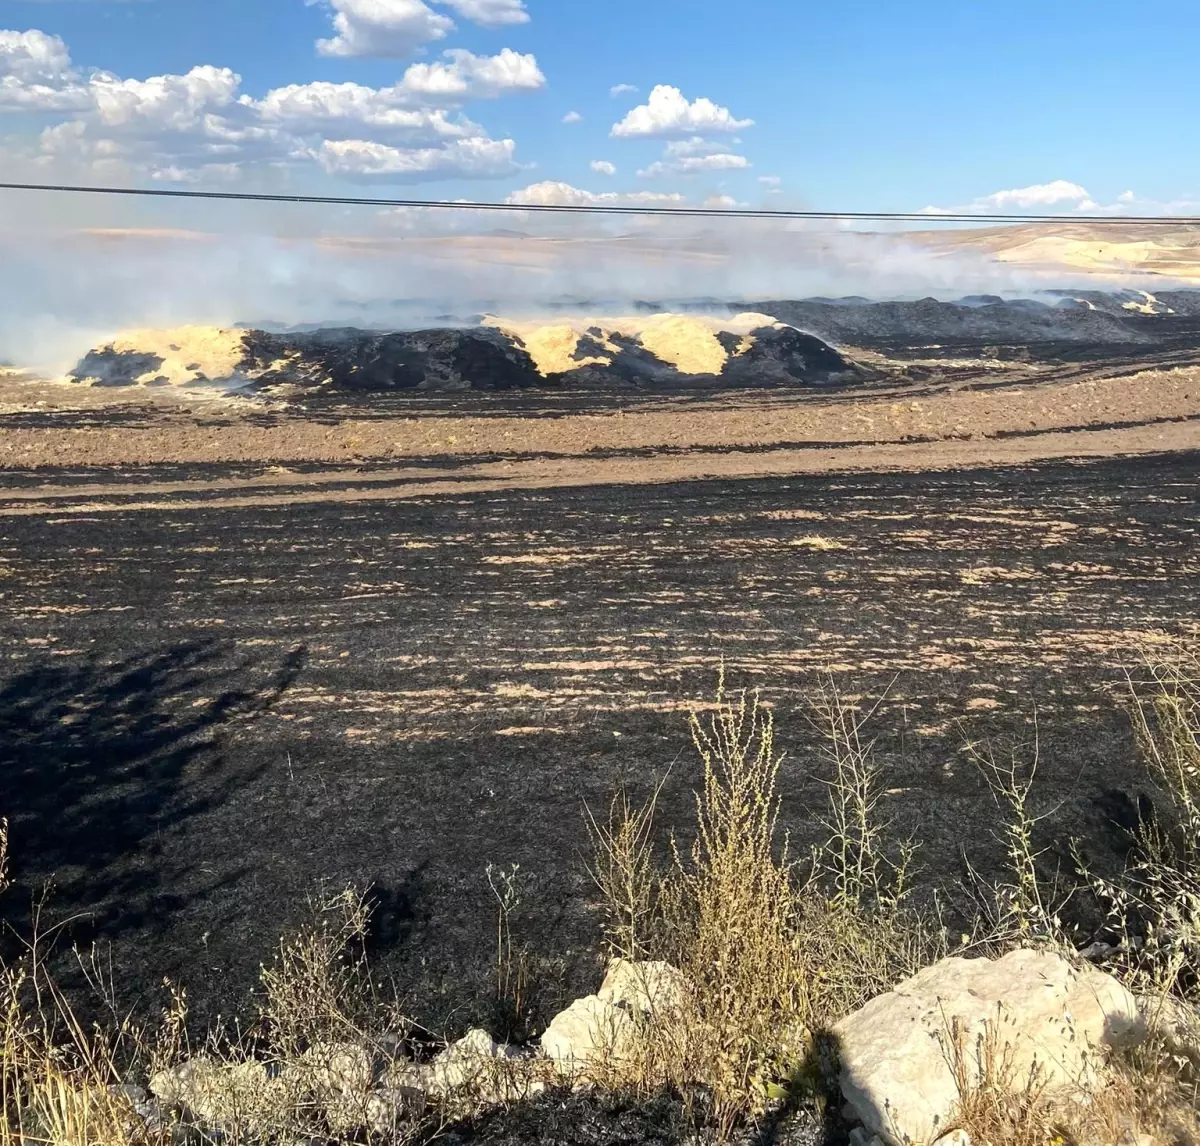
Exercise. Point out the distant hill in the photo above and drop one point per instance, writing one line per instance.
(1119, 250)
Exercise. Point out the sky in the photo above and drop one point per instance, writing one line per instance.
(1070, 106)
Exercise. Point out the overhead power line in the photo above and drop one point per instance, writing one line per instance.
(607, 208)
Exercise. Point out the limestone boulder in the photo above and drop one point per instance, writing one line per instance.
(589, 1034)
(647, 987)
(1032, 1011)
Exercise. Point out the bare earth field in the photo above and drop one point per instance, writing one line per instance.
(251, 646)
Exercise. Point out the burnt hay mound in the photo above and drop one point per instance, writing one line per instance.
(658, 352)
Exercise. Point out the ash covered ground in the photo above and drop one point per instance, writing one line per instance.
(341, 634)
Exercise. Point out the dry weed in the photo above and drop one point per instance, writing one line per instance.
(1154, 905)
(1136, 1096)
(770, 954)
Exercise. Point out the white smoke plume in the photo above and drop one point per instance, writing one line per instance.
(78, 271)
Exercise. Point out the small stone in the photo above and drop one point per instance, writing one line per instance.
(465, 1062)
(339, 1068)
(211, 1091)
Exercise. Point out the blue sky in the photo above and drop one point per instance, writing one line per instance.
(1055, 105)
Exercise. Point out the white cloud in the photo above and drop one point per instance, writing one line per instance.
(572, 117)
(696, 165)
(202, 126)
(468, 76)
(1037, 195)
(555, 194)
(346, 109)
(621, 89)
(33, 57)
(668, 114)
(173, 103)
(394, 29)
(722, 202)
(1058, 193)
(491, 13)
(603, 167)
(771, 181)
(1126, 197)
(36, 73)
(391, 29)
(163, 125)
(362, 159)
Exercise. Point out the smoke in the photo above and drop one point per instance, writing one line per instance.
(77, 272)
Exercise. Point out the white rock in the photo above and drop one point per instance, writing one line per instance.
(468, 1062)
(405, 1075)
(387, 1110)
(339, 1068)
(648, 987)
(895, 1051)
(590, 1032)
(213, 1092)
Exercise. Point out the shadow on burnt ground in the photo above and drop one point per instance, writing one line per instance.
(99, 762)
(599, 1118)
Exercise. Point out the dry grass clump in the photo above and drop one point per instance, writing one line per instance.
(772, 951)
(1150, 1094)
(1145, 1095)
(60, 1083)
(306, 1071)
(1160, 892)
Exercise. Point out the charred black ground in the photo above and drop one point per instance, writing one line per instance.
(206, 712)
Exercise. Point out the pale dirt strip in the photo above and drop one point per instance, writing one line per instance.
(738, 421)
(493, 477)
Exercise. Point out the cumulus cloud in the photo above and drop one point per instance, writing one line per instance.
(36, 73)
(201, 125)
(696, 165)
(621, 89)
(365, 160)
(572, 117)
(668, 114)
(394, 29)
(1037, 195)
(33, 57)
(556, 194)
(389, 29)
(491, 13)
(464, 75)
(603, 167)
(1057, 193)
